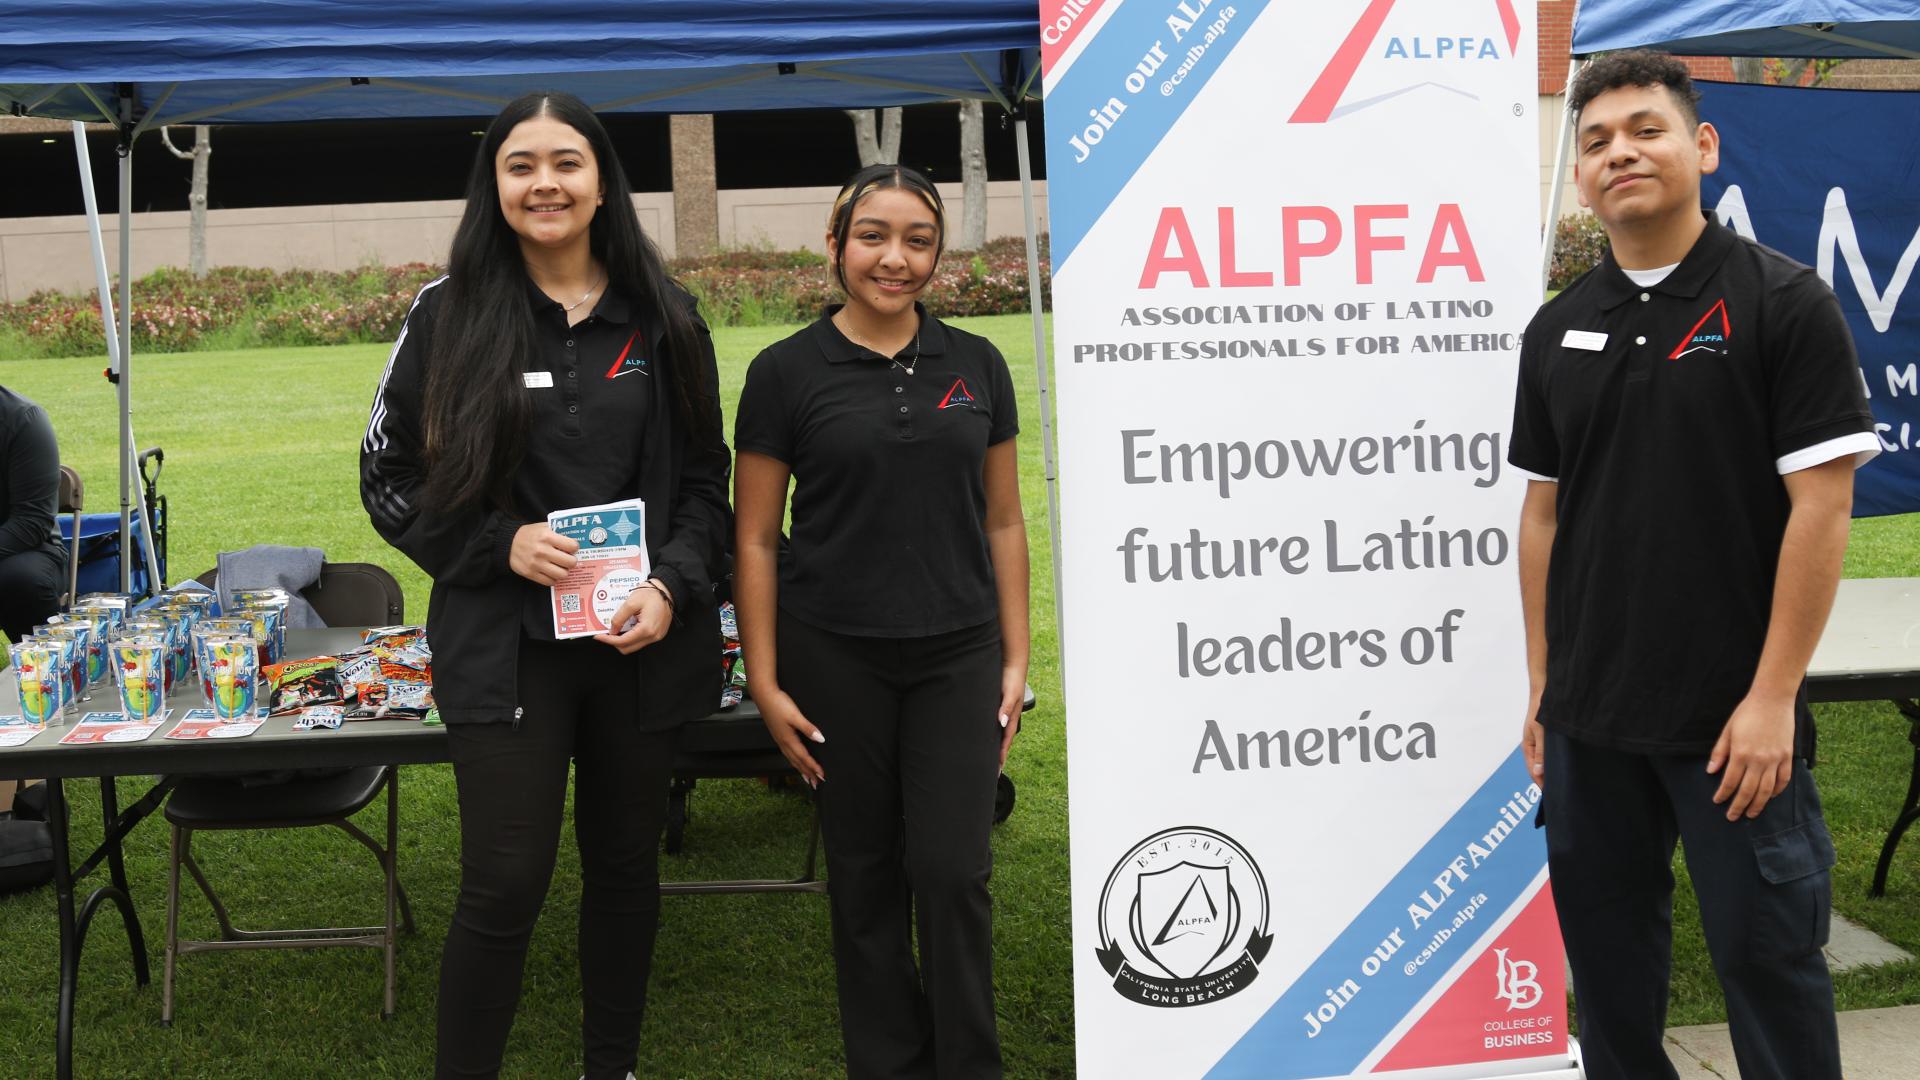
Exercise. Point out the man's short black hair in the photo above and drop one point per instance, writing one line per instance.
(1636, 67)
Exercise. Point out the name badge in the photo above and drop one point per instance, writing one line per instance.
(1590, 340)
(537, 378)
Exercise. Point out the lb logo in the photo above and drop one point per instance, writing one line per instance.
(1516, 982)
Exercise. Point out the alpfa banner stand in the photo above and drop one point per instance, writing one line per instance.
(1294, 250)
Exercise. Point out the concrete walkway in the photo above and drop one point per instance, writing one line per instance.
(1875, 1044)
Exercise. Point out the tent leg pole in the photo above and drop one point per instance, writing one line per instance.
(127, 453)
(126, 348)
(103, 284)
(109, 325)
(1045, 382)
(1559, 182)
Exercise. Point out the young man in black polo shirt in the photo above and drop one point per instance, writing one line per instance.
(1689, 414)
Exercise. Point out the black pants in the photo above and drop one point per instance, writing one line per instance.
(1764, 896)
(911, 757)
(30, 586)
(512, 780)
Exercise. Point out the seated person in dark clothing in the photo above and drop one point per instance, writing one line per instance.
(31, 555)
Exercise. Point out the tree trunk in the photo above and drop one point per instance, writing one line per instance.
(196, 195)
(1749, 69)
(197, 201)
(696, 196)
(890, 135)
(879, 143)
(973, 177)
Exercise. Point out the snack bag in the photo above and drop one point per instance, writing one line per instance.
(301, 683)
(319, 716)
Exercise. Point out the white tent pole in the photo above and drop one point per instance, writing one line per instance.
(126, 344)
(102, 283)
(125, 375)
(1559, 178)
(1046, 381)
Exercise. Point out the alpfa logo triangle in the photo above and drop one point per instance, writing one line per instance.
(957, 394)
(625, 363)
(1322, 102)
(1706, 334)
(1187, 919)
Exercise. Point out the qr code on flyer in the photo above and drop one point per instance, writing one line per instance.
(569, 603)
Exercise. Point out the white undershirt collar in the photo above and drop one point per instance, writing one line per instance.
(1649, 278)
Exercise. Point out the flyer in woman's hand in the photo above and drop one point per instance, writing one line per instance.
(613, 562)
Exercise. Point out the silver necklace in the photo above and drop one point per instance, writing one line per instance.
(908, 366)
(568, 308)
(895, 361)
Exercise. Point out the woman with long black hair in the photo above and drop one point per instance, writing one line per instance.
(554, 366)
(887, 643)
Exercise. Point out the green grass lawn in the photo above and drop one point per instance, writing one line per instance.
(262, 447)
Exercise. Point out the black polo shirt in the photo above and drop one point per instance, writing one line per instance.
(590, 386)
(889, 501)
(1668, 414)
(29, 477)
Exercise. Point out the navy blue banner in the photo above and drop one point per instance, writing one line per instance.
(1827, 177)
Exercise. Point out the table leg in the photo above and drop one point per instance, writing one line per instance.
(1910, 809)
(73, 924)
(69, 934)
(117, 873)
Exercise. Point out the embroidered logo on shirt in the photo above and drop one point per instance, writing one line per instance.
(957, 394)
(1704, 334)
(625, 364)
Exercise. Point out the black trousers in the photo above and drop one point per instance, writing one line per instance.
(911, 757)
(1765, 898)
(512, 781)
(30, 586)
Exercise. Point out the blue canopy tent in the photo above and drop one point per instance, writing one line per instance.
(1824, 29)
(231, 61)
(1837, 29)
(234, 61)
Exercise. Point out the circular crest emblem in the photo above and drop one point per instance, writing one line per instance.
(597, 536)
(1183, 919)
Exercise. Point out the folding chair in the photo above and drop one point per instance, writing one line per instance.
(71, 498)
(348, 594)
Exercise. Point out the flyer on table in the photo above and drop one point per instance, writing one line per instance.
(613, 563)
(16, 731)
(206, 724)
(1294, 248)
(97, 728)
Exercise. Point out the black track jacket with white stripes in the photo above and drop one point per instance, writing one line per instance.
(474, 614)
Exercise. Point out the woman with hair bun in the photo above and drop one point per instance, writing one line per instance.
(887, 641)
(555, 366)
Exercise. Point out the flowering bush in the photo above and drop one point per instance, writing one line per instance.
(1579, 243)
(760, 287)
(231, 306)
(235, 306)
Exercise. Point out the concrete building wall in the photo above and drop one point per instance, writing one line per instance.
(792, 218)
(53, 252)
(1551, 114)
